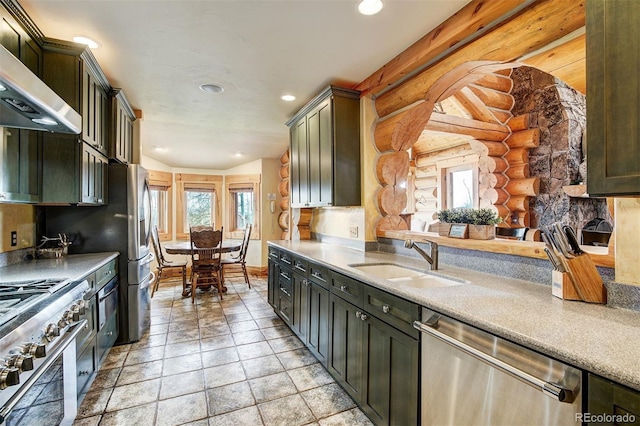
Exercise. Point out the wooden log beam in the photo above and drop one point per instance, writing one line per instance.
(519, 171)
(537, 26)
(426, 194)
(488, 148)
(284, 203)
(284, 158)
(528, 186)
(426, 204)
(524, 139)
(392, 200)
(426, 182)
(495, 195)
(393, 168)
(283, 187)
(556, 60)
(399, 132)
(464, 126)
(391, 223)
(424, 160)
(518, 203)
(463, 24)
(492, 180)
(424, 171)
(474, 105)
(493, 98)
(497, 82)
(284, 171)
(517, 156)
(518, 123)
(492, 164)
(501, 116)
(283, 220)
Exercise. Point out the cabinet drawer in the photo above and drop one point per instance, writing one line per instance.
(347, 289)
(274, 253)
(107, 337)
(285, 258)
(86, 368)
(105, 273)
(391, 309)
(284, 274)
(300, 265)
(319, 275)
(284, 306)
(284, 286)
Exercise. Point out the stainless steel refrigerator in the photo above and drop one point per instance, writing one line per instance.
(123, 225)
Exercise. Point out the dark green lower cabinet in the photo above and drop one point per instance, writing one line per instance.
(272, 283)
(318, 341)
(620, 404)
(390, 393)
(299, 322)
(345, 346)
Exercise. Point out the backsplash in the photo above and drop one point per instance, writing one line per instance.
(20, 218)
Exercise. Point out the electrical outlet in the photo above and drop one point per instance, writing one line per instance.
(353, 232)
(14, 238)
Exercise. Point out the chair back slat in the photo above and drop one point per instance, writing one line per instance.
(245, 242)
(205, 245)
(157, 248)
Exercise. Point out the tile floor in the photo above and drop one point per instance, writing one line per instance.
(215, 363)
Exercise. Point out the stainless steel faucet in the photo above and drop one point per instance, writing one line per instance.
(432, 259)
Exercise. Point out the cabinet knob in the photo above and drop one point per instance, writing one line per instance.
(363, 317)
(3, 195)
(358, 314)
(385, 309)
(344, 288)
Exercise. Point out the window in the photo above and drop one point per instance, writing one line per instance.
(197, 202)
(242, 199)
(460, 186)
(161, 202)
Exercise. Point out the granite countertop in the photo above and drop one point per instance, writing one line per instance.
(595, 338)
(72, 267)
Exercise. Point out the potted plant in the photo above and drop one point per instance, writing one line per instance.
(480, 222)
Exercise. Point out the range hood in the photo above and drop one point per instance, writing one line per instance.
(27, 103)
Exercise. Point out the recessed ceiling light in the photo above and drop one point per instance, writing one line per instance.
(86, 40)
(370, 7)
(238, 154)
(159, 148)
(211, 88)
(288, 98)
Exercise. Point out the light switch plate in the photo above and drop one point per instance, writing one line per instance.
(353, 232)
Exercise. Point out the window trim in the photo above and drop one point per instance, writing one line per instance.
(232, 181)
(157, 180)
(445, 166)
(213, 182)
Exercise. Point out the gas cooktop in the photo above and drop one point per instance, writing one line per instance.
(18, 296)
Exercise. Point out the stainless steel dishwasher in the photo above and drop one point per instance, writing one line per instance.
(471, 377)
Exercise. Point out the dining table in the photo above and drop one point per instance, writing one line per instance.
(184, 248)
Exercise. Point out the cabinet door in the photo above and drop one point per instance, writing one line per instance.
(21, 160)
(345, 345)
(272, 283)
(101, 119)
(299, 322)
(613, 104)
(318, 341)
(390, 395)
(88, 106)
(88, 175)
(609, 398)
(320, 137)
(299, 158)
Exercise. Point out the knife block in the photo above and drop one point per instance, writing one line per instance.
(586, 279)
(562, 287)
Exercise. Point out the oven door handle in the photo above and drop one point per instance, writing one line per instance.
(26, 387)
(106, 296)
(550, 389)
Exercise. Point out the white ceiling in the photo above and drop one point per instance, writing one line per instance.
(160, 51)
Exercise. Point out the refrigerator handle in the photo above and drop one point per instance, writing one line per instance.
(148, 259)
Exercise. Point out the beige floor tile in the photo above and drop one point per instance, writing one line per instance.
(219, 357)
(150, 340)
(144, 355)
(254, 350)
(225, 399)
(140, 372)
(353, 417)
(114, 359)
(135, 394)
(216, 342)
(141, 415)
(180, 349)
(182, 364)
(327, 400)
(87, 421)
(246, 337)
(262, 366)
(95, 402)
(287, 411)
(182, 409)
(223, 375)
(106, 378)
(239, 317)
(297, 358)
(182, 336)
(239, 327)
(276, 332)
(285, 344)
(182, 384)
(272, 387)
(310, 376)
(244, 416)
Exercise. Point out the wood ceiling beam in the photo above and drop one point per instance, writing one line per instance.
(467, 21)
(474, 105)
(533, 28)
(464, 126)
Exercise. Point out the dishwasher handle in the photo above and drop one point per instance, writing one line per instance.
(552, 390)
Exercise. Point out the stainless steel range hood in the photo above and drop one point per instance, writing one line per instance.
(27, 103)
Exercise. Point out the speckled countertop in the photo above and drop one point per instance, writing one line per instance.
(596, 338)
(72, 267)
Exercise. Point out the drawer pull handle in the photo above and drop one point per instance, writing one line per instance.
(83, 373)
(385, 309)
(317, 274)
(284, 275)
(344, 288)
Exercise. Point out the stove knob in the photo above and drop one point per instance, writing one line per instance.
(9, 376)
(79, 306)
(37, 350)
(51, 332)
(68, 316)
(20, 361)
(75, 313)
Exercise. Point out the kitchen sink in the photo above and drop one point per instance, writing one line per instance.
(406, 275)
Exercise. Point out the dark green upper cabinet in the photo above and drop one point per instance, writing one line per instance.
(613, 97)
(325, 150)
(121, 127)
(20, 150)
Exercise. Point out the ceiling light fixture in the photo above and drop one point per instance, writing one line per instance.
(159, 148)
(86, 40)
(46, 121)
(211, 88)
(238, 154)
(370, 7)
(288, 98)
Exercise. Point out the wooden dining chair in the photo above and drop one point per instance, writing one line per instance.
(206, 244)
(164, 263)
(237, 263)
